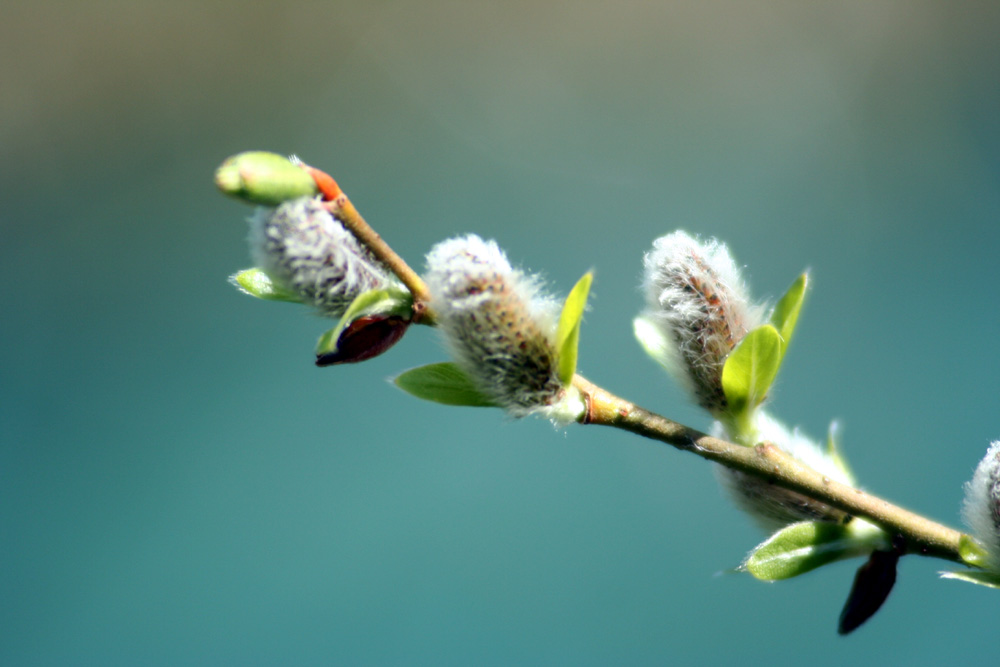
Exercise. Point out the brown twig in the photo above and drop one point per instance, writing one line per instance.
(340, 206)
(768, 462)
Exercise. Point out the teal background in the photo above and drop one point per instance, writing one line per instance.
(179, 485)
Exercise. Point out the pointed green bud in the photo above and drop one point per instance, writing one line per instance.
(257, 283)
(972, 552)
(268, 179)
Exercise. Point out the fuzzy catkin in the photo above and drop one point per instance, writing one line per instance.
(981, 510)
(305, 249)
(771, 506)
(498, 325)
(697, 300)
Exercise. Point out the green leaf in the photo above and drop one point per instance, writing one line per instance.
(786, 313)
(804, 546)
(258, 177)
(972, 552)
(750, 370)
(257, 283)
(833, 450)
(442, 383)
(989, 579)
(568, 334)
(385, 302)
(652, 340)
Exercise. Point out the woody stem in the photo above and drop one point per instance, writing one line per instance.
(340, 206)
(768, 462)
(765, 460)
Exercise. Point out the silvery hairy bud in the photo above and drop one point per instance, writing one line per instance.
(500, 328)
(981, 510)
(697, 311)
(773, 507)
(305, 250)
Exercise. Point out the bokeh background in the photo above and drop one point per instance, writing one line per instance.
(180, 485)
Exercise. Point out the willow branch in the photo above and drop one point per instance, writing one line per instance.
(768, 462)
(344, 210)
(340, 206)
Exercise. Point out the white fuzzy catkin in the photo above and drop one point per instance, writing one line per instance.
(498, 325)
(698, 310)
(981, 510)
(773, 507)
(305, 249)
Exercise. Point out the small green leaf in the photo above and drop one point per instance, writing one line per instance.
(258, 177)
(833, 450)
(786, 313)
(568, 334)
(750, 369)
(989, 579)
(652, 340)
(442, 383)
(801, 547)
(972, 552)
(386, 302)
(257, 283)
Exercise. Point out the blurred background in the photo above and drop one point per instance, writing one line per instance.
(179, 483)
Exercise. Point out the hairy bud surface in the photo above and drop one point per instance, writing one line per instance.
(499, 326)
(981, 510)
(698, 307)
(306, 250)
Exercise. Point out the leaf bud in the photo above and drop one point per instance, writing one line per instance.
(269, 179)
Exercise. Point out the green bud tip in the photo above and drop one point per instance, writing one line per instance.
(259, 177)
